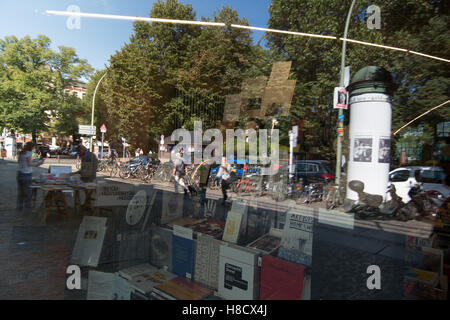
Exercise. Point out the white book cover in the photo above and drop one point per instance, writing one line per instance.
(232, 227)
(107, 286)
(89, 243)
(297, 240)
(100, 285)
(238, 273)
(207, 261)
(134, 271)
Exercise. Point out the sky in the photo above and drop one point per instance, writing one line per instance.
(97, 39)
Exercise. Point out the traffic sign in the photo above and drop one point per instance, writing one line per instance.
(87, 130)
(103, 128)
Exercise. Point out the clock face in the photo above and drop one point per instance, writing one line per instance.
(136, 208)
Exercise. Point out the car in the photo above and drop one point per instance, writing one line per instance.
(43, 149)
(313, 171)
(136, 160)
(431, 178)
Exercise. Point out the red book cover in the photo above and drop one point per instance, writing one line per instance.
(280, 279)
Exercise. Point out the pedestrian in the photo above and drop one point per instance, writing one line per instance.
(179, 172)
(89, 164)
(87, 172)
(25, 177)
(224, 175)
(205, 169)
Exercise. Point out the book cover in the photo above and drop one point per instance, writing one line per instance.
(186, 222)
(107, 286)
(422, 276)
(297, 240)
(207, 261)
(145, 282)
(267, 243)
(172, 207)
(208, 226)
(281, 279)
(180, 288)
(89, 242)
(136, 270)
(161, 247)
(232, 227)
(238, 273)
(183, 256)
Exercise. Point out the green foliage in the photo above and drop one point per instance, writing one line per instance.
(142, 93)
(417, 25)
(32, 82)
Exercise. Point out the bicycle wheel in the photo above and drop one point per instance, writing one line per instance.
(114, 171)
(243, 187)
(124, 173)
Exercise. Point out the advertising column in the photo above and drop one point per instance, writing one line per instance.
(370, 130)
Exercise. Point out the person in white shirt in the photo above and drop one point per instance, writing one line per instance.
(25, 177)
(224, 175)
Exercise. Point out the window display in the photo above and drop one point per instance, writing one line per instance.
(226, 172)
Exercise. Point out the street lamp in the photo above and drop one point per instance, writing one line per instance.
(341, 84)
(93, 108)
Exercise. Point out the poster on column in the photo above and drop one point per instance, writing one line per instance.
(362, 150)
(384, 150)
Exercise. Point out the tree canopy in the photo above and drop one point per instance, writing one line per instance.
(32, 82)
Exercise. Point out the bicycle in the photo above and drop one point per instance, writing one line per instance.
(334, 196)
(115, 168)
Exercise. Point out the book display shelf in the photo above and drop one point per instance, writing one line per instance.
(152, 244)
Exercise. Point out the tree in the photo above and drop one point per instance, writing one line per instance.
(416, 25)
(148, 78)
(32, 82)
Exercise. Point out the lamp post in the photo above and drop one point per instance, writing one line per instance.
(93, 108)
(341, 84)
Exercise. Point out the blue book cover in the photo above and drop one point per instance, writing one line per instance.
(183, 257)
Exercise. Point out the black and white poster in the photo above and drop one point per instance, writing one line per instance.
(362, 150)
(384, 150)
(340, 98)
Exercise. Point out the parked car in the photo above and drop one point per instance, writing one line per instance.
(136, 160)
(43, 150)
(106, 152)
(313, 171)
(431, 178)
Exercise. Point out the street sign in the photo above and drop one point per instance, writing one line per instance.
(87, 130)
(103, 128)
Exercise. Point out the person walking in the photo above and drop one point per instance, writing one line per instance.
(25, 177)
(224, 175)
(204, 169)
(179, 172)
